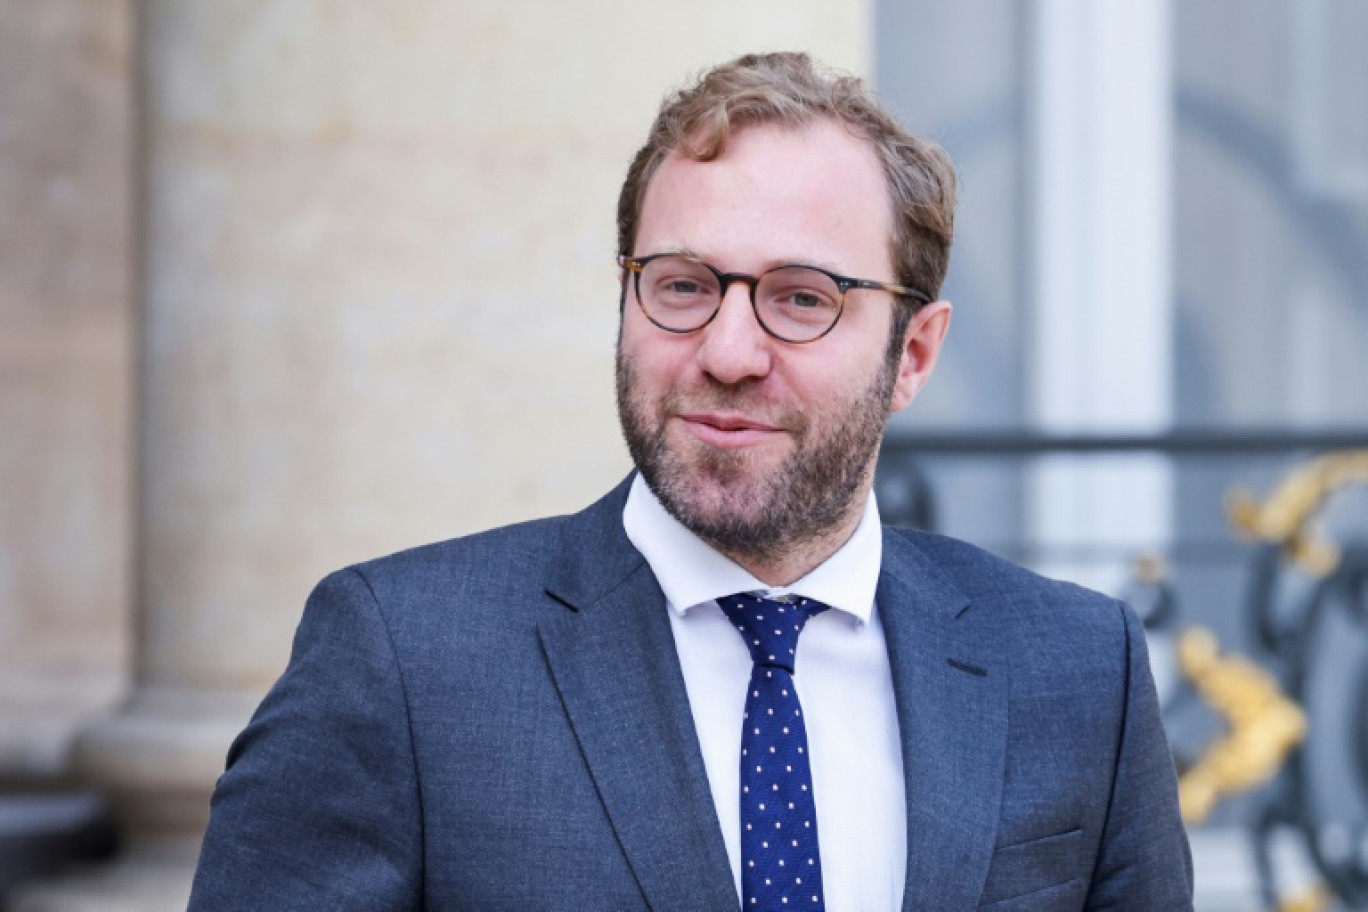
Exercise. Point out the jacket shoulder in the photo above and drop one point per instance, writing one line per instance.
(982, 575)
(499, 577)
(493, 552)
(1036, 620)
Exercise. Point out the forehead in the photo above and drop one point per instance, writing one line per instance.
(814, 193)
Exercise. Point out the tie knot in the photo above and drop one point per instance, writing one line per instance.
(770, 627)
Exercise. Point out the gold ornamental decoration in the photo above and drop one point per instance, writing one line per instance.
(1263, 725)
(1313, 899)
(1285, 517)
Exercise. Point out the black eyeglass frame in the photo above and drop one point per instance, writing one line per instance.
(635, 265)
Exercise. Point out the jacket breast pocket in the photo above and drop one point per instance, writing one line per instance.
(1045, 873)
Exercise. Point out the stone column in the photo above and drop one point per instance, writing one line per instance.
(1101, 128)
(65, 374)
(379, 304)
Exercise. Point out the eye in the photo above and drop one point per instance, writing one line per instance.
(679, 282)
(682, 286)
(805, 299)
(801, 292)
(797, 302)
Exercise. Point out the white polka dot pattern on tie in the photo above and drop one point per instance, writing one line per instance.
(774, 729)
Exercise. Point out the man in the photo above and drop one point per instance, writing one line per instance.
(562, 714)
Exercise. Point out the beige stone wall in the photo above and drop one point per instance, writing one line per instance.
(380, 287)
(379, 299)
(65, 374)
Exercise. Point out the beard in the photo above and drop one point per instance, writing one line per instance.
(734, 499)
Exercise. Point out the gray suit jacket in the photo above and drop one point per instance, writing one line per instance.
(500, 722)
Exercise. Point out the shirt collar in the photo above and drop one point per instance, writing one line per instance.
(691, 572)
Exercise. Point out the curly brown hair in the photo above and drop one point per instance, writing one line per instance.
(792, 90)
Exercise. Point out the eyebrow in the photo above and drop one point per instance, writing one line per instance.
(799, 261)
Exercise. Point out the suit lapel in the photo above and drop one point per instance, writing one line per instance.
(613, 660)
(950, 689)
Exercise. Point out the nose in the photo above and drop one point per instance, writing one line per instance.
(734, 347)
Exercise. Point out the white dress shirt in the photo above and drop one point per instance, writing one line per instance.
(843, 680)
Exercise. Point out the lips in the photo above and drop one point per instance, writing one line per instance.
(729, 429)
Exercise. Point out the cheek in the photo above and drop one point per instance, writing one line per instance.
(654, 368)
(835, 366)
(657, 356)
(633, 332)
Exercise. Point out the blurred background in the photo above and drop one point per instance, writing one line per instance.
(286, 284)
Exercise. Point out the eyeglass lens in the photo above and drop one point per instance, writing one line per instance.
(792, 302)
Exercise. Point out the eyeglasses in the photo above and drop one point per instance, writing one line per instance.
(792, 303)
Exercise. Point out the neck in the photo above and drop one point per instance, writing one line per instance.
(789, 561)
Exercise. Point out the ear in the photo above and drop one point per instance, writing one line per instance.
(921, 346)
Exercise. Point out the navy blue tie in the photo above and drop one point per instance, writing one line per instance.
(780, 866)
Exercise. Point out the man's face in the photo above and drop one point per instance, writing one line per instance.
(753, 443)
